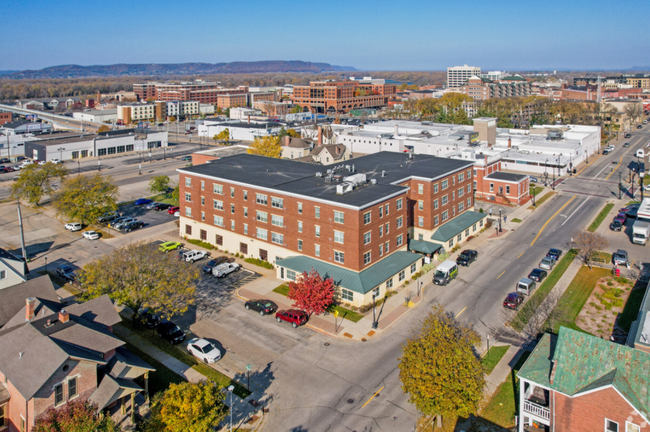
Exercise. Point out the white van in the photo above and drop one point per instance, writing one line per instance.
(525, 286)
(640, 153)
(445, 273)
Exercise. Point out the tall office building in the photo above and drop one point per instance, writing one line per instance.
(458, 75)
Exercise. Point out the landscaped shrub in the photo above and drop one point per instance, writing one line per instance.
(201, 243)
(259, 262)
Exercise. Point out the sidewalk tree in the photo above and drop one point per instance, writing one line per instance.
(159, 184)
(311, 292)
(191, 407)
(268, 146)
(224, 136)
(85, 198)
(75, 416)
(138, 275)
(35, 181)
(588, 243)
(439, 369)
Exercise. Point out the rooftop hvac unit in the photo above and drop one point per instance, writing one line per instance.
(319, 174)
(356, 179)
(383, 173)
(344, 188)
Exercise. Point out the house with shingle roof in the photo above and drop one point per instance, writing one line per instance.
(13, 270)
(52, 353)
(578, 382)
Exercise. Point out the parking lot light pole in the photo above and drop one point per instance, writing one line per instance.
(374, 317)
(500, 230)
(230, 389)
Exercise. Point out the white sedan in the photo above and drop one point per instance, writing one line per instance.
(73, 226)
(91, 235)
(203, 350)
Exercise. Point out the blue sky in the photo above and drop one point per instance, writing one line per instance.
(368, 35)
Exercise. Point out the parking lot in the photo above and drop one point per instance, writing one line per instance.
(150, 217)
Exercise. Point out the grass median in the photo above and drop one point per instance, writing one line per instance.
(540, 201)
(530, 307)
(600, 218)
(493, 357)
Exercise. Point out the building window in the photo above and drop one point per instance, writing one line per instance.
(401, 276)
(202, 200)
(347, 295)
(218, 220)
(445, 215)
(232, 192)
(399, 204)
(3, 274)
(469, 188)
(366, 218)
(469, 202)
(218, 205)
(277, 203)
(435, 188)
(435, 204)
(386, 210)
(245, 228)
(420, 189)
(72, 387)
(444, 184)
(291, 275)
(317, 212)
(507, 189)
(58, 394)
(188, 229)
(232, 225)
(461, 177)
(245, 211)
(387, 227)
(317, 230)
(420, 205)
(381, 212)
(400, 240)
(338, 236)
(277, 238)
(202, 185)
(232, 208)
(299, 226)
(262, 234)
(387, 246)
(218, 189)
(366, 258)
(262, 216)
(459, 237)
(381, 250)
(461, 207)
(188, 182)
(188, 197)
(413, 267)
(389, 283)
(460, 192)
(420, 221)
(339, 217)
(399, 222)
(3, 416)
(610, 426)
(299, 208)
(260, 199)
(491, 187)
(631, 427)
(453, 195)
(435, 220)
(317, 250)
(188, 211)
(277, 220)
(366, 238)
(245, 195)
(339, 257)
(300, 245)
(203, 216)
(444, 200)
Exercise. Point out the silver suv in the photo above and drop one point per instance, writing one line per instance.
(620, 257)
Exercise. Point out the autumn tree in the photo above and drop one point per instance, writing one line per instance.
(85, 198)
(295, 110)
(138, 275)
(191, 407)
(176, 194)
(159, 184)
(75, 416)
(35, 181)
(268, 146)
(223, 136)
(439, 369)
(588, 243)
(311, 293)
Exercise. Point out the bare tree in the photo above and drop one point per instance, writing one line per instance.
(633, 111)
(588, 243)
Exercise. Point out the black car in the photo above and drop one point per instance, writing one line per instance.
(628, 135)
(537, 275)
(5, 160)
(639, 126)
(262, 306)
(161, 206)
(132, 226)
(616, 226)
(207, 268)
(554, 253)
(147, 319)
(632, 212)
(466, 257)
(66, 272)
(170, 332)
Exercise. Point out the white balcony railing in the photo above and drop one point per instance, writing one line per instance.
(538, 410)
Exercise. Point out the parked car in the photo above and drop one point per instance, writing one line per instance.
(8, 169)
(554, 253)
(55, 161)
(203, 350)
(632, 213)
(445, 273)
(172, 210)
(207, 268)
(467, 257)
(161, 206)
(177, 213)
(262, 306)
(621, 217)
(294, 316)
(148, 319)
(170, 332)
(616, 226)
(194, 255)
(142, 201)
(513, 300)
(224, 270)
(123, 223)
(131, 226)
(91, 235)
(66, 272)
(526, 286)
(620, 257)
(547, 263)
(151, 205)
(20, 158)
(628, 135)
(639, 126)
(169, 246)
(107, 217)
(5, 160)
(118, 220)
(537, 275)
(186, 158)
(533, 179)
(627, 144)
(73, 226)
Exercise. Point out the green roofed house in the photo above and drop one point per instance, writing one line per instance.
(578, 382)
(459, 229)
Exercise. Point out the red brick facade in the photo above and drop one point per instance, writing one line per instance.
(341, 96)
(5, 117)
(499, 191)
(203, 92)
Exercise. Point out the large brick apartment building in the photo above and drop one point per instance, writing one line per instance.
(201, 91)
(483, 88)
(342, 96)
(352, 222)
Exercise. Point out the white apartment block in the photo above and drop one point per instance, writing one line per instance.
(458, 75)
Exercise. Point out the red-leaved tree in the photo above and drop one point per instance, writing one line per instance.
(312, 293)
(76, 416)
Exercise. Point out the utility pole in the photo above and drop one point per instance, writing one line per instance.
(22, 235)
(620, 184)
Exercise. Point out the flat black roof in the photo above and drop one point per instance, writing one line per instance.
(506, 176)
(299, 178)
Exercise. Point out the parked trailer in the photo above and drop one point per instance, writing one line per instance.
(640, 232)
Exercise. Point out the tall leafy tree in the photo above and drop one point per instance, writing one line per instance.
(75, 416)
(439, 369)
(187, 407)
(312, 293)
(85, 198)
(138, 275)
(159, 184)
(35, 181)
(266, 146)
(223, 136)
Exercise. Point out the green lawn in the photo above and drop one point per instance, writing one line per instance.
(535, 190)
(600, 218)
(631, 310)
(570, 304)
(165, 198)
(602, 257)
(516, 220)
(502, 408)
(282, 289)
(530, 307)
(345, 313)
(539, 201)
(492, 358)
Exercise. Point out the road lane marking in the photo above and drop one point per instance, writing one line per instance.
(503, 272)
(518, 257)
(614, 170)
(550, 219)
(604, 168)
(372, 397)
(458, 314)
(574, 212)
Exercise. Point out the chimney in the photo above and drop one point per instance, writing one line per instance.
(320, 135)
(509, 143)
(338, 150)
(64, 317)
(396, 130)
(249, 119)
(287, 140)
(30, 306)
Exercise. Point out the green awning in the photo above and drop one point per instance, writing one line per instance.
(457, 225)
(360, 282)
(423, 246)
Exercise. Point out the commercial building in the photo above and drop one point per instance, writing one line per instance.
(457, 76)
(232, 100)
(239, 130)
(271, 108)
(127, 114)
(482, 88)
(5, 117)
(342, 96)
(97, 116)
(166, 109)
(200, 91)
(19, 127)
(49, 103)
(351, 222)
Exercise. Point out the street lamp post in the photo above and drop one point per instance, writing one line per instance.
(553, 184)
(149, 156)
(60, 149)
(620, 184)
(230, 389)
(374, 317)
(79, 166)
(500, 230)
